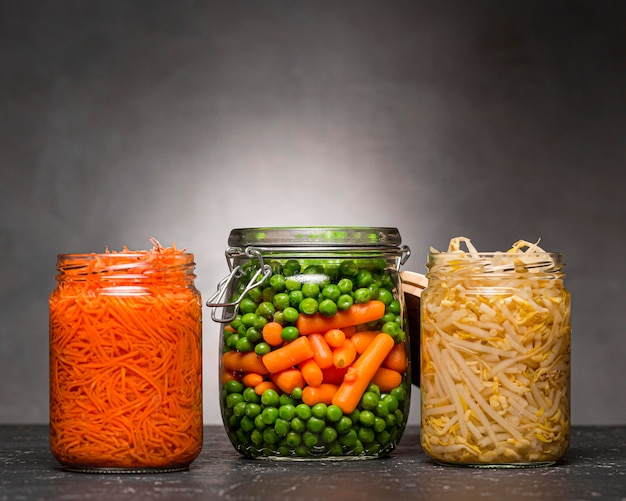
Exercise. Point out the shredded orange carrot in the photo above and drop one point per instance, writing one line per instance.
(125, 360)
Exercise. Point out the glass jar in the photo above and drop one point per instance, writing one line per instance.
(314, 360)
(495, 359)
(126, 362)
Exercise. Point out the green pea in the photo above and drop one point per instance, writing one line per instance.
(394, 307)
(281, 427)
(262, 349)
(366, 435)
(327, 308)
(240, 409)
(319, 410)
(295, 298)
(290, 314)
(345, 285)
(291, 267)
(293, 284)
(331, 291)
(237, 322)
(391, 402)
(290, 333)
(270, 437)
(381, 409)
(314, 269)
(298, 425)
(259, 323)
(349, 439)
(303, 411)
(256, 437)
(281, 301)
(249, 395)
(363, 278)
(253, 410)
(255, 295)
(315, 425)
(369, 400)
(344, 302)
(277, 282)
(278, 317)
(374, 290)
(385, 296)
(266, 309)
(247, 305)
(233, 399)
(285, 399)
(310, 439)
(287, 412)
(234, 386)
(366, 418)
(343, 425)
(296, 393)
(248, 319)
(269, 415)
(328, 435)
(270, 397)
(348, 268)
(334, 413)
(259, 423)
(231, 340)
(308, 306)
(293, 439)
(246, 424)
(362, 295)
(310, 289)
(379, 424)
(244, 345)
(383, 437)
(388, 317)
(254, 335)
(267, 295)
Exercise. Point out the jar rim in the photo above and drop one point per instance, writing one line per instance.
(310, 236)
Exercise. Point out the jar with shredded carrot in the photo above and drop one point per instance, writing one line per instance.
(126, 361)
(495, 357)
(315, 360)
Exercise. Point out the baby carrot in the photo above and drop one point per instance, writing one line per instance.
(387, 379)
(362, 340)
(252, 378)
(359, 313)
(349, 330)
(311, 372)
(360, 374)
(396, 359)
(323, 393)
(335, 337)
(288, 380)
(265, 385)
(243, 362)
(272, 333)
(288, 355)
(345, 354)
(322, 353)
(334, 374)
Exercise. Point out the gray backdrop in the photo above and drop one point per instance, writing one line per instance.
(181, 120)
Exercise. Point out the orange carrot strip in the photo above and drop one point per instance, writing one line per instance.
(362, 340)
(288, 380)
(387, 379)
(334, 375)
(243, 362)
(397, 359)
(323, 393)
(265, 385)
(288, 355)
(355, 315)
(360, 374)
(345, 354)
(272, 333)
(252, 378)
(322, 353)
(311, 372)
(335, 337)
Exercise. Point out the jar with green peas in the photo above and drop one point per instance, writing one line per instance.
(315, 356)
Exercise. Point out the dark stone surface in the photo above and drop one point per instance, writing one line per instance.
(594, 468)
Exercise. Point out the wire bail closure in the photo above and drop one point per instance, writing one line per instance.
(217, 299)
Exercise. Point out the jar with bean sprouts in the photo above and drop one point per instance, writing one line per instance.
(495, 357)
